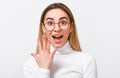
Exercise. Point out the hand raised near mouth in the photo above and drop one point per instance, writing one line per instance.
(44, 58)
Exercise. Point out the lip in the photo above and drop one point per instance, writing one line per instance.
(57, 35)
(57, 40)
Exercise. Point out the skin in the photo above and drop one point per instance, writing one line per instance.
(45, 57)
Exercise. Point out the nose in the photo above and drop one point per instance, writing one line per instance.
(57, 27)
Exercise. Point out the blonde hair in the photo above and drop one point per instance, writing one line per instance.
(73, 38)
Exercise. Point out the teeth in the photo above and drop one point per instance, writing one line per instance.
(57, 36)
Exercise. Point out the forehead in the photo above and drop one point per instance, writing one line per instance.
(56, 14)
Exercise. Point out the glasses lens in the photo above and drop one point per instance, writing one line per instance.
(49, 25)
(64, 25)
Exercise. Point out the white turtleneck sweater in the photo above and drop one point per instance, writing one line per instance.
(67, 63)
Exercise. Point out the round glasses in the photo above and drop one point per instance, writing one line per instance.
(51, 25)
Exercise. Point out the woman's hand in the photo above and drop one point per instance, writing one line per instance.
(45, 58)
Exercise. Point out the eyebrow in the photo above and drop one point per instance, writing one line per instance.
(49, 18)
(59, 18)
(63, 18)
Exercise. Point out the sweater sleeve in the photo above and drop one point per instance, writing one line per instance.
(89, 68)
(31, 70)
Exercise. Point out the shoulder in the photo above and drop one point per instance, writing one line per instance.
(84, 57)
(88, 61)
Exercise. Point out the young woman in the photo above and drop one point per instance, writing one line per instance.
(58, 51)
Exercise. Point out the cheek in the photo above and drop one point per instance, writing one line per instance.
(66, 34)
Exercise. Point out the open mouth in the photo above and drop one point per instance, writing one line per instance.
(57, 37)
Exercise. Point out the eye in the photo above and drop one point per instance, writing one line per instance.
(63, 22)
(50, 23)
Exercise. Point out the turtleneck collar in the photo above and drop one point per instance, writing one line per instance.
(66, 49)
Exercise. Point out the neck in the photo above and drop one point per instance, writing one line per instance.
(66, 49)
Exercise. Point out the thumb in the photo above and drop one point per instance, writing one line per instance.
(35, 57)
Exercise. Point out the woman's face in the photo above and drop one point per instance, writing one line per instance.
(58, 36)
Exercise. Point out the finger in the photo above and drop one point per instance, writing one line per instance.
(39, 45)
(44, 42)
(48, 46)
(36, 58)
(54, 51)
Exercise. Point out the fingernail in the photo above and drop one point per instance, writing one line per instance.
(32, 54)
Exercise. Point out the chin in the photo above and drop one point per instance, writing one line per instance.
(58, 45)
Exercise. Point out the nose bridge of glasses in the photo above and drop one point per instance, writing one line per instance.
(56, 25)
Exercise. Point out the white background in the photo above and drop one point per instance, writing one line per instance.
(98, 25)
